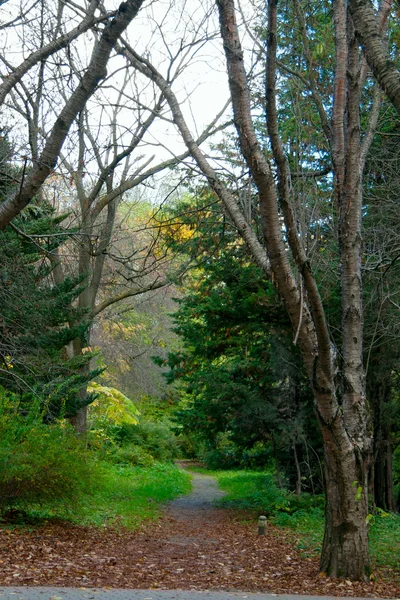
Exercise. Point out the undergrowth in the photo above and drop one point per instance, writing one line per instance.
(125, 496)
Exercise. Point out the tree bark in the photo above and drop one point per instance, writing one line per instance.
(378, 58)
(345, 547)
(344, 427)
(53, 47)
(380, 396)
(79, 421)
(298, 471)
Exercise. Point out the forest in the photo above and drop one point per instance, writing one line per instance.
(199, 252)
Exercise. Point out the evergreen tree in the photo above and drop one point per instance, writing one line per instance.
(245, 395)
(36, 315)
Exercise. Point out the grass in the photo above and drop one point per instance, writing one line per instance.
(125, 496)
(385, 540)
(131, 495)
(257, 492)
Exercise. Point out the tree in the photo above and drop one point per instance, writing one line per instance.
(37, 317)
(338, 385)
(96, 71)
(244, 392)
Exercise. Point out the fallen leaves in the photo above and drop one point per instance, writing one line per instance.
(198, 550)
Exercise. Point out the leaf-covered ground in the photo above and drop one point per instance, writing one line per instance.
(191, 547)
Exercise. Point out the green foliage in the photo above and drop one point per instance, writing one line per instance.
(38, 318)
(35, 317)
(121, 437)
(111, 406)
(154, 438)
(124, 496)
(237, 376)
(40, 463)
(46, 471)
(384, 534)
(129, 455)
(255, 490)
(225, 454)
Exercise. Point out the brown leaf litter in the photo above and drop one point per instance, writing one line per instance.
(191, 548)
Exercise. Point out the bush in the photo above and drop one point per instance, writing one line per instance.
(254, 491)
(225, 454)
(40, 463)
(130, 455)
(156, 439)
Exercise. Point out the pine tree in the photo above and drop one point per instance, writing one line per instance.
(35, 314)
(244, 392)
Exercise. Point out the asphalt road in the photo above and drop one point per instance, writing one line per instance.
(51, 593)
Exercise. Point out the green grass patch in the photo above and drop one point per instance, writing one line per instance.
(125, 496)
(257, 493)
(384, 538)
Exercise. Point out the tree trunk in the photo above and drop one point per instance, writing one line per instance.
(79, 420)
(389, 472)
(298, 471)
(383, 467)
(380, 399)
(276, 458)
(345, 547)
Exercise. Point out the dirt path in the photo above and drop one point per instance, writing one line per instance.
(194, 546)
(205, 491)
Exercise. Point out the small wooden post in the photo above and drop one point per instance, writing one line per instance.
(262, 525)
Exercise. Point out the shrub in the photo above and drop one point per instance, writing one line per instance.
(225, 454)
(40, 463)
(155, 438)
(254, 490)
(130, 455)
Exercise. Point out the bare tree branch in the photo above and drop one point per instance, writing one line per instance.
(89, 82)
(54, 46)
(145, 67)
(127, 294)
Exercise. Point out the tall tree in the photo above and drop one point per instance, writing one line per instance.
(37, 316)
(338, 383)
